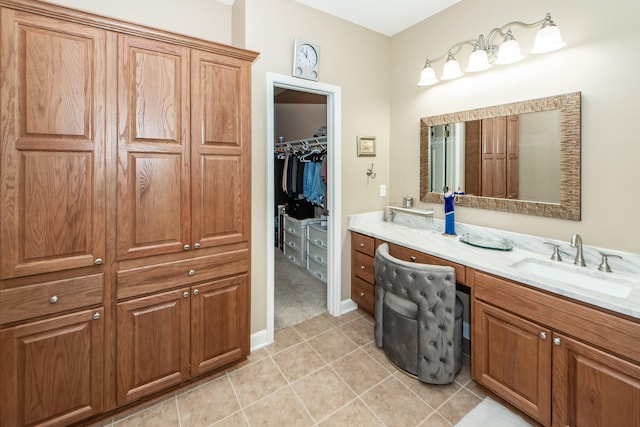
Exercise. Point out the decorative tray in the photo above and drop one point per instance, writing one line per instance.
(486, 242)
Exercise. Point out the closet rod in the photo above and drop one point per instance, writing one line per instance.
(317, 140)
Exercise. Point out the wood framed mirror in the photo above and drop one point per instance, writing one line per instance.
(564, 203)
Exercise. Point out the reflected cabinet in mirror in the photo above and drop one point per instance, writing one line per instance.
(522, 157)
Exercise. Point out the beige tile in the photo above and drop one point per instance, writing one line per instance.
(100, 423)
(283, 339)
(313, 327)
(434, 394)
(395, 405)
(236, 419)
(359, 331)
(464, 376)
(254, 357)
(458, 405)
(476, 389)
(355, 413)
(298, 361)
(164, 414)
(360, 371)
(341, 320)
(208, 403)
(332, 345)
(257, 381)
(378, 354)
(323, 392)
(435, 420)
(282, 408)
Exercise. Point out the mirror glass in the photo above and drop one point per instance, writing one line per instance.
(522, 157)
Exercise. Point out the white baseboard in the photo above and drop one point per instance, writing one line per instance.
(259, 340)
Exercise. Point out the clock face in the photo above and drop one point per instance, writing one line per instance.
(306, 56)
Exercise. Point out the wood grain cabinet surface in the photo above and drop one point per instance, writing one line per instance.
(124, 211)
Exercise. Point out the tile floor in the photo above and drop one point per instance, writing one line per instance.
(325, 371)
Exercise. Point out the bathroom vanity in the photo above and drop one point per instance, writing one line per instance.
(561, 353)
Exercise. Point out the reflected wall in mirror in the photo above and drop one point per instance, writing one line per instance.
(522, 157)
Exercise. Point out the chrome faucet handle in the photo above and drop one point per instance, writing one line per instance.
(556, 252)
(604, 265)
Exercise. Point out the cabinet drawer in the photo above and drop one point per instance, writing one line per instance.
(318, 254)
(293, 227)
(411, 255)
(318, 235)
(362, 293)
(362, 266)
(157, 277)
(362, 243)
(293, 241)
(294, 255)
(318, 270)
(46, 298)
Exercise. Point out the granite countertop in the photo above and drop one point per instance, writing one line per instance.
(425, 235)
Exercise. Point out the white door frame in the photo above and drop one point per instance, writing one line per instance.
(334, 195)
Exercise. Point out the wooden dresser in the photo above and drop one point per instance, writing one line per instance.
(125, 211)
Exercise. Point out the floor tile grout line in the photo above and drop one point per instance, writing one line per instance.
(235, 393)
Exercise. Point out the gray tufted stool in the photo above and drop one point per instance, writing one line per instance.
(418, 317)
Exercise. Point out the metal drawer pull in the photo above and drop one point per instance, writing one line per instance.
(362, 267)
(319, 274)
(197, 246)
(98, 261)
(196, 292)
(361, 244)
(557, 341)
(192, 272)
(96, 316)
(543, 335)
(53, 299)
(185, 294)
(412, 258)
(186, 247)
(361, 294)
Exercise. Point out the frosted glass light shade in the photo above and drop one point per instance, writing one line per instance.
(478, 61)
(427, 76)
(451, 70)
(509, 52)
(548, 39)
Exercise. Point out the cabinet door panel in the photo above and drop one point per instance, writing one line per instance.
(513, 360)
(220, 323)
(153, 148)
(593, 388)
(220, 149)
(52, 370)
(52, 113)
(152, 344)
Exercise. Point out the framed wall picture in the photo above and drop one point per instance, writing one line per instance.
(366, 146)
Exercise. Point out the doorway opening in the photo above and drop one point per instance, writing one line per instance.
(277, 84)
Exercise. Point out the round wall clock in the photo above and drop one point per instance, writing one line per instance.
(306, 58)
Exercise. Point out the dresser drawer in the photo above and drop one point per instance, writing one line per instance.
(293, 226)
(294, 255)
(318, 235)
(362, 243)
(158, 277)
(411, 255)
(317, 253)
(46, 298)
(363, 294)
(293, 241)
(318, 270)
(362, 266)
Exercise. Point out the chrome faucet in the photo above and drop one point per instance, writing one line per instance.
(576, 242)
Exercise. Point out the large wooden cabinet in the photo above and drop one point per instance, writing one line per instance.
(124, 211)
(562, 363)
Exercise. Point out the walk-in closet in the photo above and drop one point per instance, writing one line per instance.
(300, 195)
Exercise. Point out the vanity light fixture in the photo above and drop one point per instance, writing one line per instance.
(486, 51)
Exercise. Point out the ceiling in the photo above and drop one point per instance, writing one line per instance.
(387, 17)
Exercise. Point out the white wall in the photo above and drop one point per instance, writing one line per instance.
(600, 61)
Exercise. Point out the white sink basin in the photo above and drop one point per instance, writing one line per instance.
(580, 277)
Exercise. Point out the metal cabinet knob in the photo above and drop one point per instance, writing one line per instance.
(196, 292)
(197, 245)
(557, 341)
(543, 335)
(412, 258)
(361, 245)
(361, 294)
(98, 261)
(96, 316)
(192, 272)
(362, 267)
(186, 247)
(53, 299)
(185, 294)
